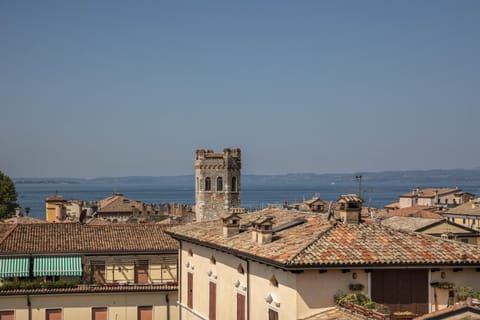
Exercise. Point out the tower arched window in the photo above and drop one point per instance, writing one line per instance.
(234, 184)
(219, 184)
(208, 184)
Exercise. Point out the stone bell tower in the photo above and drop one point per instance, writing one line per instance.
(217, 182)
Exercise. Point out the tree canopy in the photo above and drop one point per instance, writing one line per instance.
(8, 197)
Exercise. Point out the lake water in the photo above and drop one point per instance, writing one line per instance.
(376, 194)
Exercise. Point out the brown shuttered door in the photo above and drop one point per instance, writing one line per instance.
(240, 306)
(401, 290)
(212, 306)
(190, 290)
(98, 269)
(53, 314)
(272, 314)
(6, 315)
(99, 314)
(144, 313)
(141, 271)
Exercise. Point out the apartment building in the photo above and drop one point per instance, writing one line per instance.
(74, 271)
(285, 264)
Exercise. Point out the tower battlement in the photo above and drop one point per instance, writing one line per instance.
(217, 182)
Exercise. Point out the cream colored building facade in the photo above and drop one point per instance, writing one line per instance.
(117, 306)
(297, 294)
(434, 197)
(88, 272)
(296, 268)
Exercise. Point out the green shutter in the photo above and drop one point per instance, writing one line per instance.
(14, 267)
(57, 266)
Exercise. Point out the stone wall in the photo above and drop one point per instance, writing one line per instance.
(217, 182)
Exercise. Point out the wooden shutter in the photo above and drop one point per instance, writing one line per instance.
(212, 305)
(98, 271)
(272, 314)
(240, 306)
(99, 314)
(7, 315)
(411, 289)
(141, 271)
(144, 313)
(53, 314)
(190, 290)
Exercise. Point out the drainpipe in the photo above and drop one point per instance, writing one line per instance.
(179, 280)
(167, 300)
(248, 286)
(29, 304)
(248, 289)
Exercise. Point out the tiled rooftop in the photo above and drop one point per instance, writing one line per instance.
(319, 243)
(470, 208)
(118, 203)
(430, 192)
(459, 311)
(24, 219)
(77, 238)
(407, 223)
(91, 289)
(416, 211)
(335, 313)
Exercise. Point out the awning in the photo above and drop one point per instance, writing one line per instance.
(14, 267)
(57, 266)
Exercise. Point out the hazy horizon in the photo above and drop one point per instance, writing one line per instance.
(248, 174)
(110, 89)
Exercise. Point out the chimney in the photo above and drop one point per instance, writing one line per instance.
(59, 212)
(436, 197)
(350, 208)
(262, 231)
(230, 224)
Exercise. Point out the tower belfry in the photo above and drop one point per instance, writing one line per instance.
(217, 182)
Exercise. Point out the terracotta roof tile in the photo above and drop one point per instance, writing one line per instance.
(407, 223)
(470, 208)
(430, 192)
(118, 203)
(78, 238)
(91, 289)
(335, 313)
(416, 211)
(318, 243)
(24, 219)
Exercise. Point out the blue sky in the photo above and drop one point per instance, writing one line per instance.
(117, 88)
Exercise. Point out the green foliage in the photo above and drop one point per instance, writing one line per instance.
(10, 285)
(8, 197)
(60, 284)
(465, 292)
(356, 298)
(37, 284)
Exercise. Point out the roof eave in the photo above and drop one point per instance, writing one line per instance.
(299, 267)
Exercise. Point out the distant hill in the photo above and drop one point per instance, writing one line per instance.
(451, 178)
